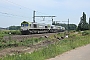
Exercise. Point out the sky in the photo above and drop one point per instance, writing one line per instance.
(13, 12)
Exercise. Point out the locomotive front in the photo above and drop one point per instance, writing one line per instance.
(25, 26)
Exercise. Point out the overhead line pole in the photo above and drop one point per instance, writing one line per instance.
(34, 16)
(41, 16)
(68, 26)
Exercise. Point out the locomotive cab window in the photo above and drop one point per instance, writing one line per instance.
(26, 24)
(46, 27)
(30, 25)
(22, 25)
(51, 27)
(35, 25)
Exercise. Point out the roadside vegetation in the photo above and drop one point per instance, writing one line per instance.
(13, 32)
(17, 43)
(8, 32)
(76, 39)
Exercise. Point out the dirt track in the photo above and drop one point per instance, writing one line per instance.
(81, 53)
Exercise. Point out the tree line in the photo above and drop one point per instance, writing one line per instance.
(14, 27)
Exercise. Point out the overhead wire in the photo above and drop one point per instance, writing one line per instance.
(24, 7)
(12, 15)
(12, 9)
(20, 7)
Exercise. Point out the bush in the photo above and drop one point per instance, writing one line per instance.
(85, 33)
(15, 32)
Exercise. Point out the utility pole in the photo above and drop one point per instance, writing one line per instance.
(34, 16)
(68, 26)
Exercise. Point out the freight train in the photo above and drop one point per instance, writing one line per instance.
(34, 28)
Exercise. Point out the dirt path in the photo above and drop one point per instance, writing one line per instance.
(81, 53)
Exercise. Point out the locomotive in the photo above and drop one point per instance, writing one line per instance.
(34, 28)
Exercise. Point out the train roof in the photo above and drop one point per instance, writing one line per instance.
(26, 22)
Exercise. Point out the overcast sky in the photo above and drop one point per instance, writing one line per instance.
(13, 12)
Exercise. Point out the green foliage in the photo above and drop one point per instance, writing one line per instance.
(14, 28)
(72, 27)
(83, 25)
(89, 21)
(85, 33)
(2, 34)
(15, 43)
(15, 32)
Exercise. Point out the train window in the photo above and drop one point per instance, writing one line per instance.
(35, 25)
(46, 27)
(22, 25)
(30, 24)
(52, 27)
(26, 24)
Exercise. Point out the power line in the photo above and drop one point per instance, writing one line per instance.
(17, 4)
(5, 15)
(13, 15)
(12, 9)
(24, 7)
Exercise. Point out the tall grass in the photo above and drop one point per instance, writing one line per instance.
(74, 41)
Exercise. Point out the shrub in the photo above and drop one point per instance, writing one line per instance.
(15, 32)
(85, 33)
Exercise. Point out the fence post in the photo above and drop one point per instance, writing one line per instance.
(9, 35)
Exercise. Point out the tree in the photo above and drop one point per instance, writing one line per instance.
(89, 20)
(84, 17)
(83, 25)
(72, 27)
(14, 28)
(89, 23)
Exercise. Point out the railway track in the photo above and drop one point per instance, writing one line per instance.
(23, 37)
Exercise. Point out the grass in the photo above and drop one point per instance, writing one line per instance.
(13, 32)
(74, 41)
(16, 43)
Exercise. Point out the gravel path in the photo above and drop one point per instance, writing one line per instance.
(81, 53)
